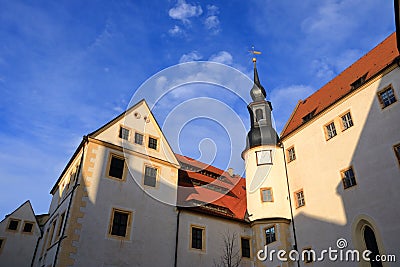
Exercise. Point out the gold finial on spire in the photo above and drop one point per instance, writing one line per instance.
(254, 52)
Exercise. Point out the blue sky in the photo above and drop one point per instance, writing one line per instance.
(68, 67)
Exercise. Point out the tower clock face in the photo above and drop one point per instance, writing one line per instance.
(264, 157)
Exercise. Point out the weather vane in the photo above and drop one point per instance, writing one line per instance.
(254, 52)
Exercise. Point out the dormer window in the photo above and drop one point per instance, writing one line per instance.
(357, 83)
(309, 116)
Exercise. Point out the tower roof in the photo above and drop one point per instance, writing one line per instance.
(257, 93)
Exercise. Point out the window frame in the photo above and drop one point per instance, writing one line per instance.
(343, 176)
(23, 227)
(396, 149)
(291, 156)
(124, 171)
(327, 131)
(146, 165)
(128, 224)
(380, 100)
(297, 198)
(342, 125)
(51, 233)
(120, 136)
(241, 246)
(262, 196)
(18, 225)
(203, 237)
(265, 234)
(143, 138)
(155, 138)
(3, 239)
(60, 224)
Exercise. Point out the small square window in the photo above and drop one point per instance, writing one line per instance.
(300, 201)
(150, 176)
(13, 225)
(139, 138)
(330, 130)
(120, 223)
(123, 133)
(347, 121)
(245, 247)
(270, 235)
(386, 97)
(348, 178)
(28, 227)
(308, 255)
(397, 152)
(291, 154)
(197, 238)
(266, 195)
(116, 168)
(152, 143)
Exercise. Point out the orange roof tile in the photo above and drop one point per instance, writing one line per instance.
(233, 201)
(369, 65)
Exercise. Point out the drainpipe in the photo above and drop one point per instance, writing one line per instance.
(177, 238)
(36, 247)
(84, 141)
(290, 202)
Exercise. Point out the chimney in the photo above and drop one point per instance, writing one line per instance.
(231, 171)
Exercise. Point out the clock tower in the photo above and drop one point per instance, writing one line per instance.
(266, 184)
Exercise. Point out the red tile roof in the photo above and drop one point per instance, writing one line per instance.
(208, 189)
(369, 65)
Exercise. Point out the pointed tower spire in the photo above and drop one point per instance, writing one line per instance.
(257, 93)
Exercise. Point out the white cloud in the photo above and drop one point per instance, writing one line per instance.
(192, 56)
(176, 30)
(223, 57)
(323, 69)
(183, 11)
(212, 22)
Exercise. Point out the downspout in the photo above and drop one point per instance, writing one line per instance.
(84, 141)
(290, 202)
(177, 238)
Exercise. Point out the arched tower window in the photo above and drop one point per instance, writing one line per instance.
(259, 114)
(372, 245)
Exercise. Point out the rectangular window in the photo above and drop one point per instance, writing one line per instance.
(386, 97)
(116, 168)
(120, 223)
(53, 227)
(150, 176)
(300, 202)
(139, 138)
(60, 224)
(291, 154)
(266, 195)
(270, 235)
(330, 130)
(397, 152)
(152, 143)
(13, 225)
(2, 242)
(308, 255)
(123, 133)
(348, 178)
(197, 238)
(245, 247)
(28, 227)
(347, 121)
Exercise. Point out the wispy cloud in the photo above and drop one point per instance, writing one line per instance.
(212, 22)
(176, 31)
(223, 57)
(184, 11)
(192, 56)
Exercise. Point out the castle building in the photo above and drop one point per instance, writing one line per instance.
(329, 180)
